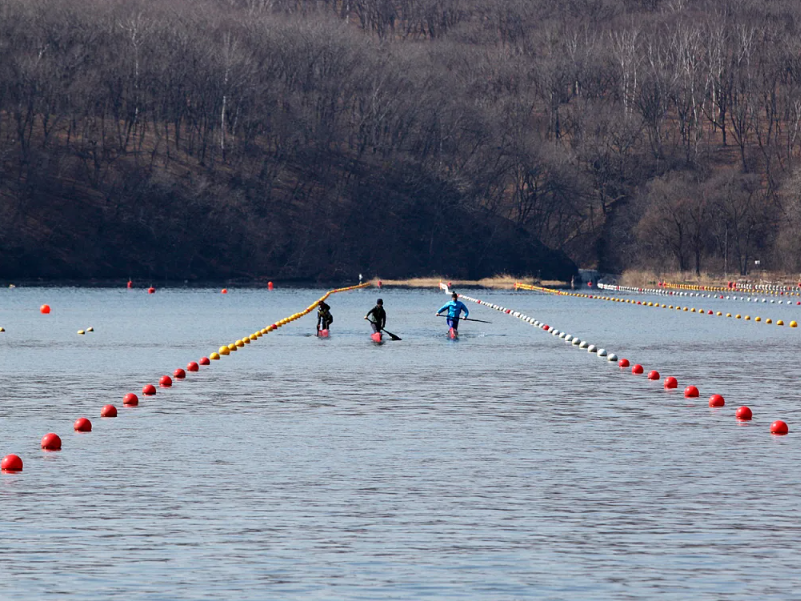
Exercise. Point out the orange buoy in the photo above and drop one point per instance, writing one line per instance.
(192, 366)
(44, 309)
(165, 381)
(11, 463)
(130, 399)
(671, 382)
(179, 373)
(151, 290)
(637, 369)
(779, 428)
(82, 425)
(743, 413)
(716, 400)
(653, 375)
(204, 361)
(690, 392)
(148, 390)
(108, 411)
(623, 363)
(51, 442)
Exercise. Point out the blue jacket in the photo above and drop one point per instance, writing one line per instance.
(454, 308)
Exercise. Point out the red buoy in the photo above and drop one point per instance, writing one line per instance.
(224, 291)
(44, 309)
(204, 361)
(130, 399)
(192, 366)
(743, 413)
(690, 392)
(671, 382)
(151, 290)
(148, 390)
(653, 375)
(269, 285)
(623, 363)
(779, 428)
(637, 369)
(51, 442)
(11, 463)
(165, 381)
(130, 284)
(82, 425)
(546, 327)
(716, 400)
(179, 373)
(108, 411)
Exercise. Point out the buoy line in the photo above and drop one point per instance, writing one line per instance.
(658, 292)
(743, 413)
(758, 319)
(763, 288)
(52, 442)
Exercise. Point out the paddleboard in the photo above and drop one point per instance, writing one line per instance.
(453, 334)
(377, 337)
(322, 333)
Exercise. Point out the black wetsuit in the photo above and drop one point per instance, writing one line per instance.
(324, 319)
(379, 318)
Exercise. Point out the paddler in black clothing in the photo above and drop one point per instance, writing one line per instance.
(379, 316)
(324, 317)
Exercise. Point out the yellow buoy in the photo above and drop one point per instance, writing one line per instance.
(737, 316)
(728, 314)
(748, 318)
(768, 320)
(224, 350)
(90, 329)
(719, 313)
(253, 336)
(246, 340)
(81, 332)
(214, 357)
(232, 347)
(757, 318)
(2, 329)
(793, 324)
(779, 322)
(692, 310)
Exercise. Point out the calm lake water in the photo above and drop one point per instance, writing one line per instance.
(506, 465)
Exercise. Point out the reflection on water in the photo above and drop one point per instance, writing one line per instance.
(507, 465)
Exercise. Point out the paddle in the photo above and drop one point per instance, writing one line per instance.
(467, 319)
(390, 334)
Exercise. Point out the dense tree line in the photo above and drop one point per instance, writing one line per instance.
(660, 133)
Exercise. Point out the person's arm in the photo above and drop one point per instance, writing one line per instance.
(465, 309)
(369, 313)
(383, 318)
(443, 307)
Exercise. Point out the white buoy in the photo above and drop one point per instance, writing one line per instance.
(584, 344)
(568, 338)
(602, 352)
(592, 349)
(562, 335)
(576, 341)
(612, 357)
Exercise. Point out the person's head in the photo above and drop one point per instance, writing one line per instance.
(454, 296)
(380, 302)
(324, 306)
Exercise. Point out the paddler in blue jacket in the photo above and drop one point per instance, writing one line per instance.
(455, 308)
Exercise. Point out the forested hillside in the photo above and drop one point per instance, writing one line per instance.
(313, 139)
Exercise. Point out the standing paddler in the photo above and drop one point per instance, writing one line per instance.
(324, 319)
(379, 319)
(454, 308)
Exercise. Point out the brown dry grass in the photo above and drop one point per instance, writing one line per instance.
(500, 282)
(644, 277)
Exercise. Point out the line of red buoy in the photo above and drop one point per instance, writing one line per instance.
(778, 427)
(52, 442)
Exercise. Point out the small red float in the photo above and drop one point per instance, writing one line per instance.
(546, 327)
(224, 291)
(269, 285)
(148, 390)
(165, 381)
(151, 290)
(690, 392)
(204, 361)
(779, 428)
(716, 400)
(671, 382)
(179, 373)
(743, 413)
(623, 363)
(44, 309)
(192, 366)
(108, 411)
(130, 399)
(82, 425)
(51, 442)
(653, 375)
(130, 284)
(11, 463)
(637, 369)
